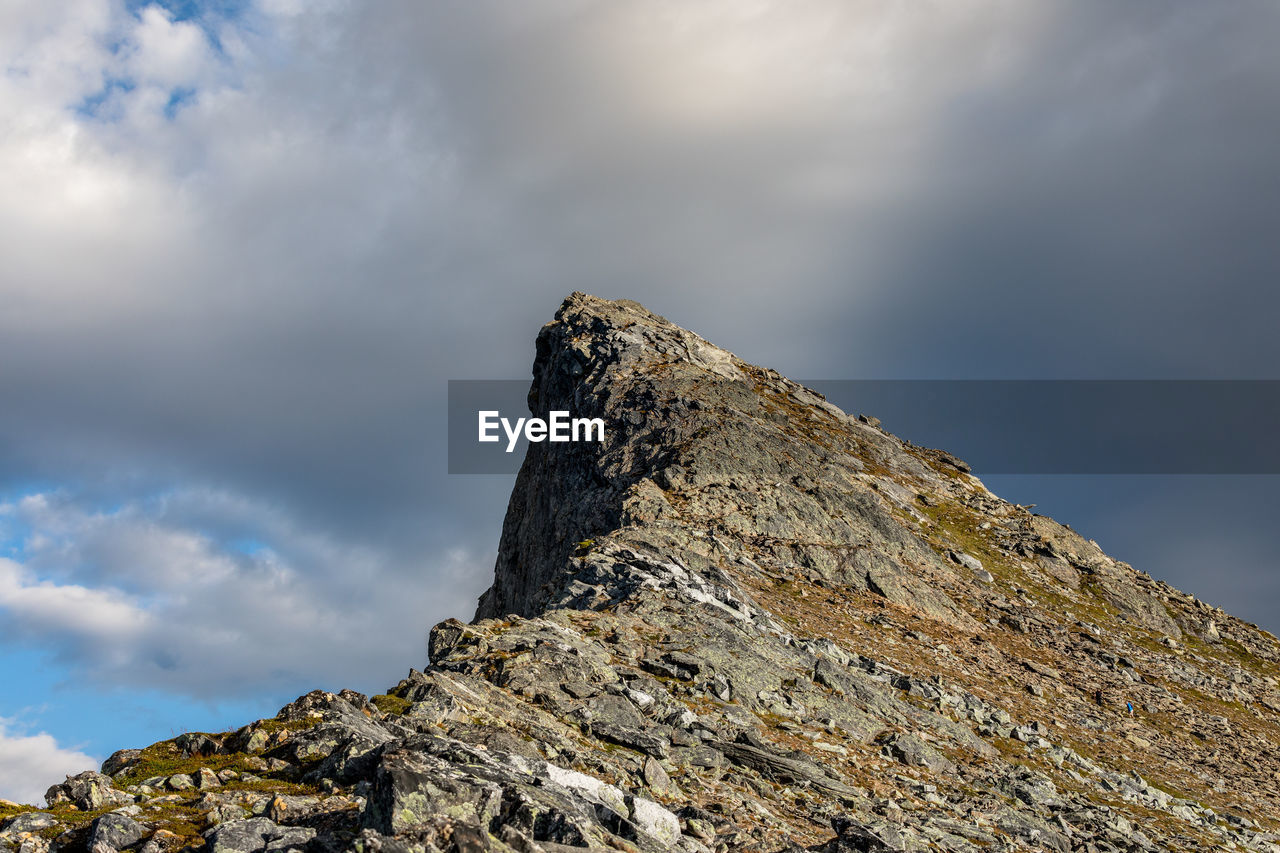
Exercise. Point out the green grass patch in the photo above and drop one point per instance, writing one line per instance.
(272, 726)
(70, 818)
(388, 704)
(166, 759)
(182, 819)
(7, 812)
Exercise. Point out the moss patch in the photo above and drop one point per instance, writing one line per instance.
(388, 704)
(7, 812)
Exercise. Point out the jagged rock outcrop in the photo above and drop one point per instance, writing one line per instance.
(695, 434)
(747, 621)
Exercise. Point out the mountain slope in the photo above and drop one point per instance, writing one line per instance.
(750, 622)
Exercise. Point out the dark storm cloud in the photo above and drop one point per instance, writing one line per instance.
(374, 204)
(264, 297)
(1109, 213)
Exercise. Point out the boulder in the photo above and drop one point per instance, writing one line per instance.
(87, 791)
(116, 831)
(254, 835)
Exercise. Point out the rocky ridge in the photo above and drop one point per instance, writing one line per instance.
(746, 622)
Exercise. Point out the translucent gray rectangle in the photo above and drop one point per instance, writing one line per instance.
(999, 426)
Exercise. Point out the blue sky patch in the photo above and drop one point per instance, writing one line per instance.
(99, 104)
(249, 547)
(178, 99)
(206, 14)
(193, 10)
(52, 700)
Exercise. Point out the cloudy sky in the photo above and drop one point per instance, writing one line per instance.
(247, 242)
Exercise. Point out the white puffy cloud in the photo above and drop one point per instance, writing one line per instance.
(359, 163)
(29, 761)
(214, 597)
(32, 605)
(168, 53)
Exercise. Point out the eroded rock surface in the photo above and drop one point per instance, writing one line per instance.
(746, 622)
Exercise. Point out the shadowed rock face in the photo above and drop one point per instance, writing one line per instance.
(745, 622)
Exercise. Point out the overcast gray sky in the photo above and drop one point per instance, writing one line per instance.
(246, 242)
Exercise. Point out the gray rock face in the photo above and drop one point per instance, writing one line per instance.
(115, 831)
(655, 821)
(746, 623)
(120, 760)
(256, 834)
(87, 791)
(857, 835)
(911, 749)
(412, 786)
(26, 823)
(690, 425)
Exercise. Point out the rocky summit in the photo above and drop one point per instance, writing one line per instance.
(746, 621)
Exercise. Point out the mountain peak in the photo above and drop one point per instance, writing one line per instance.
(702, 447)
